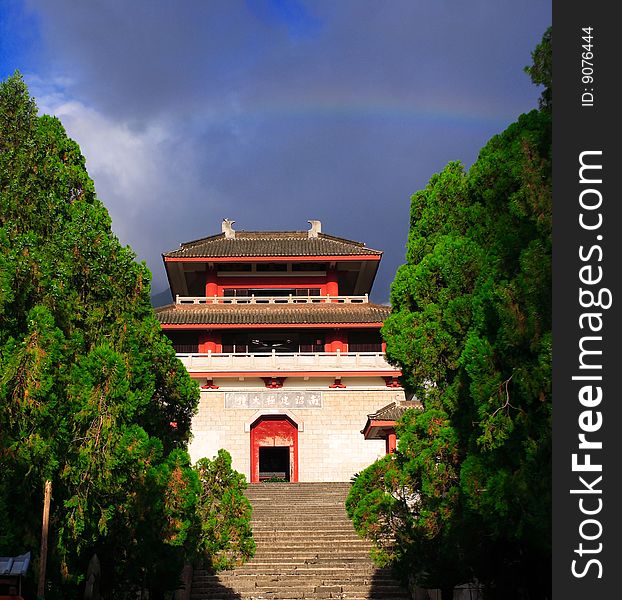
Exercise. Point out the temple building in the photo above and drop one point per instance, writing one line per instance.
(279, 332)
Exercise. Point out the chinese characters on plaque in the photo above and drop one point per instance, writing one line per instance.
(295, 399)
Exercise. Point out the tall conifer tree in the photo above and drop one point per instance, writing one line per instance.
(468, 492)
(91, 393)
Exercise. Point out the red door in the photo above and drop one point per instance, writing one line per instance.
(274, 448)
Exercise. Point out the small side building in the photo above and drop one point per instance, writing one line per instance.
(12, 570)
(278, 330)
(381, 424)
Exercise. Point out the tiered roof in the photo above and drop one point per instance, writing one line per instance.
(273, 314)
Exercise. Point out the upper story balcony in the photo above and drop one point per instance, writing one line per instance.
(334, 364)
(285, 299)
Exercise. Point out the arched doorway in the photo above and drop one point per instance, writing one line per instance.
(274, 448)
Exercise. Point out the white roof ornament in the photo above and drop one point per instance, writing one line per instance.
(227, 228)
(316, 227)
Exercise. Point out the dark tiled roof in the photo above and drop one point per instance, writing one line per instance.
(270, 243)
(393, 411)
(258, 314)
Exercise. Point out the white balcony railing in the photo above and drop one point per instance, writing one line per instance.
(278, 361)
(290, 299)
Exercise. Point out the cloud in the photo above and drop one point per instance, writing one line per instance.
(137, 172)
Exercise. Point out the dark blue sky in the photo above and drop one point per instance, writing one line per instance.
(272, 112)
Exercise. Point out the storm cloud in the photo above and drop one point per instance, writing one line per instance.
(272, 112)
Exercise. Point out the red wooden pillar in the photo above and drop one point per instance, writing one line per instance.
(332, 284)
(211, 283)
(391, 442)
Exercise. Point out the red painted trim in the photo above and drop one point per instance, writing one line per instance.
(337, 385)
(266, 431)
(299, 374)
(173, 326)
(374, 424)
(392, 382)
(247, 259)
(274, 383)
(209, 385)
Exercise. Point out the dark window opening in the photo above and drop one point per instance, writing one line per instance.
(268, 343)
(235, 293)
(311, 342)
(185, 342)
(309, 266)
(274, 462)
(195, 282)
(364, 341)
(270, 292)
(234, 343)
(235, 267)
(263, 267)
(259, 342)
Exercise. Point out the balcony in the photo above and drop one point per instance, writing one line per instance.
(289, 299)
(302, 363)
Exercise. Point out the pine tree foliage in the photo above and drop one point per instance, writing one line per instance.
(225, 537)
(91, 393)
(471, 330)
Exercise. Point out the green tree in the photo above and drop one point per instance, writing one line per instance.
(91, 393)
(471, 329)
(541, 71)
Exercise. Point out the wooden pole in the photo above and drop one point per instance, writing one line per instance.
(44, 539)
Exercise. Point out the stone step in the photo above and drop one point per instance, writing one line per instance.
(288, 581)
(369, 571)
(297, 538)
(284, 564)
(284, 512)
(340, 590)
(306, 554)
(290, 509)
(325, 521)
(306, 592)
(379, 575)
(304, 525)
(361, 569)
(288, 586)
(316, 546)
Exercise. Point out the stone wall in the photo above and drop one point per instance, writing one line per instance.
(330, 444)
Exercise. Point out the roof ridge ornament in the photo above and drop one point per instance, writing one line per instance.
(316, 228)
(227, 228)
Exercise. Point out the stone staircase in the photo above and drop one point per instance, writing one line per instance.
(306, 548)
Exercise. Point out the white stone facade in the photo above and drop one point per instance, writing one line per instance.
(330, 444)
